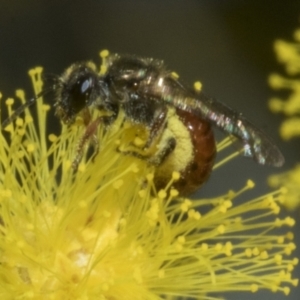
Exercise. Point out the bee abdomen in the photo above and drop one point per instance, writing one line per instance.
(204, 148)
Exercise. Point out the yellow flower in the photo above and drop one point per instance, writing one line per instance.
(103, 232)
(291, 180)
(288, 53)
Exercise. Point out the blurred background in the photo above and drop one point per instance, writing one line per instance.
(227, 45)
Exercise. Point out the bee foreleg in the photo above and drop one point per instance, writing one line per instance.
(88, 136)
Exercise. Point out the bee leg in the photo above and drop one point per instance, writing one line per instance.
(160, 157)
(86, 116)
(162, 148)
(154, 159)
(89, 135)
(150, 152)
(157, 127)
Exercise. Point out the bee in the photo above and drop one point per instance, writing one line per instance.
(178, 119)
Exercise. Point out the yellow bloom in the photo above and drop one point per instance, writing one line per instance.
(288, 53)
(103, 232)
(291, 180)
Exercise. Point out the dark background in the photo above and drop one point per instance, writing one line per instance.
(228, 45)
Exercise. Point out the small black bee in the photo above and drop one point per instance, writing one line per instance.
(178, 119)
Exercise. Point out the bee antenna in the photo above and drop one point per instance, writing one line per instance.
(21, 108)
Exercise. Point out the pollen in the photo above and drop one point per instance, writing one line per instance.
(175, 75)
(150, 177)
(162, 194)
(250, 184)
(197, 86)
(30, 148)
(138, 142)
(9, 102)
(52, 138)
(82, 167)
(19, 122)
(186, 205)
(175, 176)
(192, 214)
(104, 53)
(221, 228)
(117, 184)
(174, 193)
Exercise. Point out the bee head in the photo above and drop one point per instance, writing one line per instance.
(77, 88)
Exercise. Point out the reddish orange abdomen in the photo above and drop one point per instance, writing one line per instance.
(202, 138)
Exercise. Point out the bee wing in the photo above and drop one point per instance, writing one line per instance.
(256, 144)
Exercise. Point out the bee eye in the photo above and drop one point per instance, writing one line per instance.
(81, 92)
(86, 86)
(82, 88)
